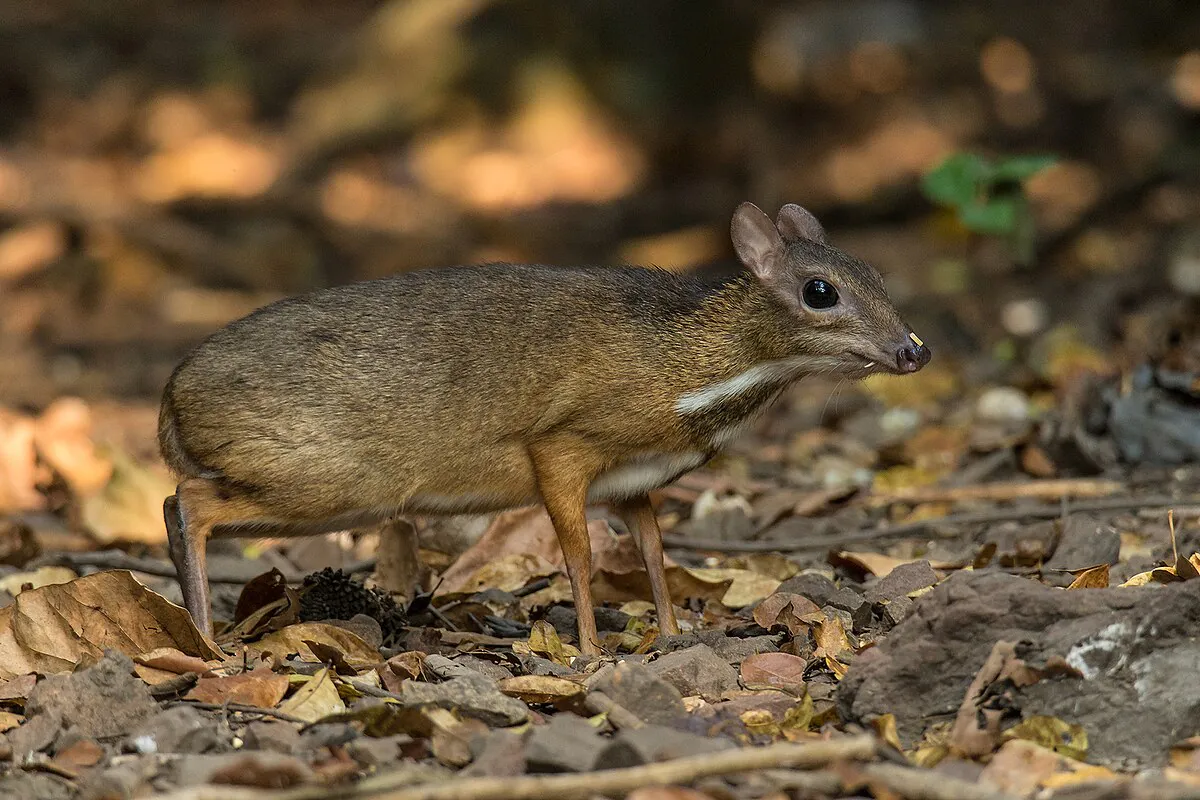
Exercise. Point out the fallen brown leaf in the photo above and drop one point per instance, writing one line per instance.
(541, 689)
(317, 698)
(1090, 578)
(260, 687)
(781, 671)
(51, 629)
(294, 638)
(786, 610)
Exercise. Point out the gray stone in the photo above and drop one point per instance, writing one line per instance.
(278, 737)
(634, 686)
(20, 785)
(632, 748)
(102, 701)
(895, 610)
(1130, 645)
(731, 649)
(566, 622)
(499, 755)
(901, 581)
(696, 671)
(566, 744)
(471, 695)
(1085, 542)
(181, 729)
(854, 604)
(814, 586)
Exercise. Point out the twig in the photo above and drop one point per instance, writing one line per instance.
(906, 528)
(1007, 490)
(239, 708)
(616, 782)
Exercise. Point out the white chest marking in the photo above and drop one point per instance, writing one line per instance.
(643, 473)
(768, 372)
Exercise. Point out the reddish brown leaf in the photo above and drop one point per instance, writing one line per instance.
(774, 671)
(259, 687)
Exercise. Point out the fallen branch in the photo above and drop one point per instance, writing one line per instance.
(617, 782)
(911, 783)
(1009, 490)
(620, 716)
(917, 526)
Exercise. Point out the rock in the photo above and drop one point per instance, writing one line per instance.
(536, 665)
(102, 701)
(696, 671)
(1085, 542)
(488, 669)
(566, 744)
(35, 735)
(470, 695)
(894, 611)
(566, 622)
(902, 580)
(1002, 404)
(372, 752)
(18, 785)
(502, 755)
(260, 769)
(181, 729)
(813, 585)
(1131, 645)
(327, 734)
(854, 604)
(278, 737)
(1151, 425)
(648, 697)
(634, 747)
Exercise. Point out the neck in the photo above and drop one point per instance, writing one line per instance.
(735, 352)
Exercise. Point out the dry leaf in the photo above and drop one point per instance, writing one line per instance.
(294, 638)
(1079, 774)
(80, 755)
(787, 610)
(63, 438)
(544, 641)
(745, 587)
(885, 728)
(1062, 737)
(317, 698)
(832, 641)
(17, 688)
(400, 668)
(1090, 578)
(781, 671)
(129, 507)
(51, 629)
(170, 659)
(667, 793)
(9, 720)
(452, 737)
(42, 576)
(18, 464)
(1019, 767)
(541, 689)
(260, 687)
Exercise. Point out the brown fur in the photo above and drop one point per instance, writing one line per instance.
(483, 388)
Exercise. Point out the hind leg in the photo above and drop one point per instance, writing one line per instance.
(191, 514)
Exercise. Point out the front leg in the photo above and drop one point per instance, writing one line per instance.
(187, 542)
(638, 515)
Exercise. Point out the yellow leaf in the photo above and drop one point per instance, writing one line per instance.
(316, 699)
(544, 641)
(541, 688)
(1085, 773)
(745, 587)
(1091, 578)
(42, 576)
(1062, 737)
(9, 720)
(885, 728)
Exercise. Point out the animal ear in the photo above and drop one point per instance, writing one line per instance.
(756, 241)
(797, 222)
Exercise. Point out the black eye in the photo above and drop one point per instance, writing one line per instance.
(820, 294)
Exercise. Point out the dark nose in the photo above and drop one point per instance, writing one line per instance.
(911, 357)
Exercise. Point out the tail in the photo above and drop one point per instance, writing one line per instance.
(169, 444)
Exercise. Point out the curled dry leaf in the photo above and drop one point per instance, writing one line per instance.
(544, 641)
(542, 689)
(1090, 578)
(791, 611)
(782, 671)
(316, 699)
(51, 629)
(260, 687)
(400, 668)
(171, 659)
(294, 638)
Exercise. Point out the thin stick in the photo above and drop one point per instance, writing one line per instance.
(913, 783)
(917, 526)
(1008, 490)
(620, 716)
(618, 782)
(239, 708)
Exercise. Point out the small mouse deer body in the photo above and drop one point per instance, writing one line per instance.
(477, 389)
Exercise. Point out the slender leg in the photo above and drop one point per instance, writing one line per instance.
(187, 541)
(191, 515)
(638, 515)
(563, 487)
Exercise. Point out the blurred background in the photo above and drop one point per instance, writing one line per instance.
(168, 166)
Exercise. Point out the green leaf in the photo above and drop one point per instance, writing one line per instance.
(957, 181)
(996, 216)
(1021, 168)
